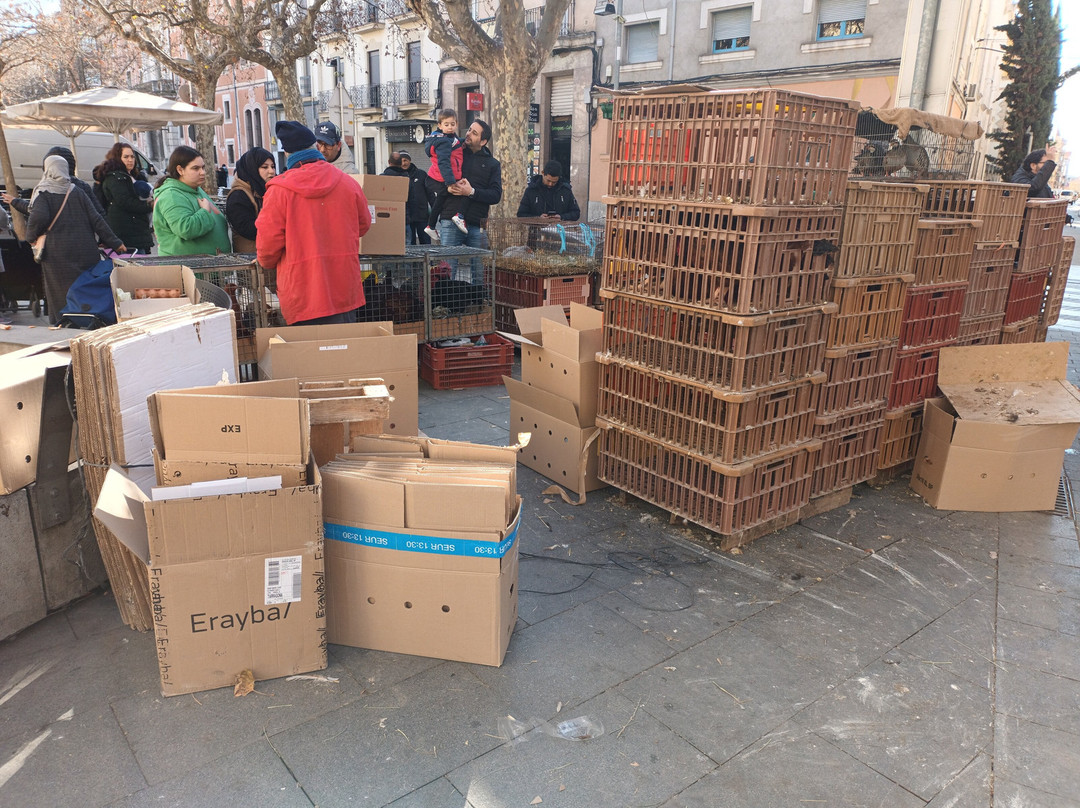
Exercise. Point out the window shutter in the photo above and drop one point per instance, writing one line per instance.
(731, 23)
(840, 10)
(642, 42)
(562, 95)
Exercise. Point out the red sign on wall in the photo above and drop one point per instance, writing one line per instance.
(474, 102)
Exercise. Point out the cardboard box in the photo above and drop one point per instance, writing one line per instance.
(236, 580)
(563, 444)
(386, 198)
(22, 384)
(996, 440)
(359, 350)
(131, 277)
(448, 594)
(559, 356)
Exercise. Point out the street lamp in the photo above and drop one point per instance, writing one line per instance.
(608, 9)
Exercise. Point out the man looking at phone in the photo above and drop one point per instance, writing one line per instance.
(548, 196)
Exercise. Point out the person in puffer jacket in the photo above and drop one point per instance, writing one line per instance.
(548, 196)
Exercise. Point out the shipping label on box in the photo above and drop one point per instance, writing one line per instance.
(236, 581)
(127, 281)
(386, 198)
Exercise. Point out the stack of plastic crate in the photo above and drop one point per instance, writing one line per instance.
(998, 207)
(723, 217)
(1055, 288)
(1039, 253)
(873, 271)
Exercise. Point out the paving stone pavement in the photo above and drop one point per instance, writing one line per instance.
(882, 654)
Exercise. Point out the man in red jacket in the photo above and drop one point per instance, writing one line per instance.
(309, 230)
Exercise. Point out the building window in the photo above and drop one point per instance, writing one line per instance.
(731, 29)
(642, 42)
(841, 19)
(248, 128)
(232, 154)
(228, 110)
(258, 127)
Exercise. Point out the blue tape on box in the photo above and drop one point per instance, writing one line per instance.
(413, 543)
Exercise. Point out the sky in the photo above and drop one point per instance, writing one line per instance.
(1067, 111)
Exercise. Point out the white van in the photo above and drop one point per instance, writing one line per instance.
(27, 147)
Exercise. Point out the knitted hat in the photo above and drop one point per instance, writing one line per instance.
(294, 136)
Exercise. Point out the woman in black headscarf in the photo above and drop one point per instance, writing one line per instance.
(245, 199)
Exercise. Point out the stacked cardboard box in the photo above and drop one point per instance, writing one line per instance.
(723, 220)
(234, 563)
(556, 399)
(115, 369)
(421, 553)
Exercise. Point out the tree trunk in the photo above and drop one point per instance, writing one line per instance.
(289, 87)
(205, 88)
(18, 222)
(510, 141)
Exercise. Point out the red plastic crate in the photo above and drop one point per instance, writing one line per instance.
(722, 498)
(1055, 284)
(1022, 331)
(856, 377)
(914, 377)
(869, 310)
(730, 351)
(730, 427)
(879, 228)
(987, 291)
(984, 330)
(524, 290)
(765, 147)
(850, 443)
(468, 365)
(999, 206)
(932, 314)
(1026, 292)
(943, 250)
(900, 436)
(734, 258)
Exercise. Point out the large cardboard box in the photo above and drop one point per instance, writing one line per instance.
(996, 439)
(236, 580)
(386, 198)
(22, 384)
(227, 431)
(128, 278)
(358, 350)
(560, 356)
(563, 442)
(448, 593)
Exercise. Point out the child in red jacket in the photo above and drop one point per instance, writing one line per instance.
(446, 151)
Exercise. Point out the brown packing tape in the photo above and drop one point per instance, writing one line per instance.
(583, 462)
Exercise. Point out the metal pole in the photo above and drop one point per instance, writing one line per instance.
(618, 45)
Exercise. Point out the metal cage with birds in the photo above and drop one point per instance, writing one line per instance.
(916, 146)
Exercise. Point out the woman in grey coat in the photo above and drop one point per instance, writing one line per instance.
(72, 244)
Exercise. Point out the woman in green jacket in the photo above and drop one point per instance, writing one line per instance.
(127, 214)
(186, 221)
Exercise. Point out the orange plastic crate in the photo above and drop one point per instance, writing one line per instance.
(1044, 220)
(879, 228)
(987, 291)
(1022, 331)
(869, 310)
(914, 377)
(996, 255)
(943, 251)
(999, 206)
(768, 146)
(734, 258)
(900, 436)
(856, 377)
(1026, 291)
(1055, 284)
(983, 330)
(722, 498)
(730, 427)
(850, 443)
(932, 314)
(732, 352)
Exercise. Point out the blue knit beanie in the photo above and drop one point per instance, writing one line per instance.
(294, 136)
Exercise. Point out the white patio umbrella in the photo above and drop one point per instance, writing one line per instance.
(106, 109)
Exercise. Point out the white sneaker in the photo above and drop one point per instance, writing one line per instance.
(459, 220)
(433, 234)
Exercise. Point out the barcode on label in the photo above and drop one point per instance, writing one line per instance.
(283, 579)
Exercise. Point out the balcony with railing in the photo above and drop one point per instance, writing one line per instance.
(369, 96)
(273, 91)
(166, 88)
(406, 93)
(566, 27)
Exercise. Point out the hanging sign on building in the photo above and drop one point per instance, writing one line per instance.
(474, 102)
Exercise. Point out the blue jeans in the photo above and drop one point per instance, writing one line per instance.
(450, 236)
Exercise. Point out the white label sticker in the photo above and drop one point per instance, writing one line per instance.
(284, 577)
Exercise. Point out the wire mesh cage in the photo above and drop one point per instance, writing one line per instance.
(546, 247)
(921, 155)
(394, 290)
(459, 290)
